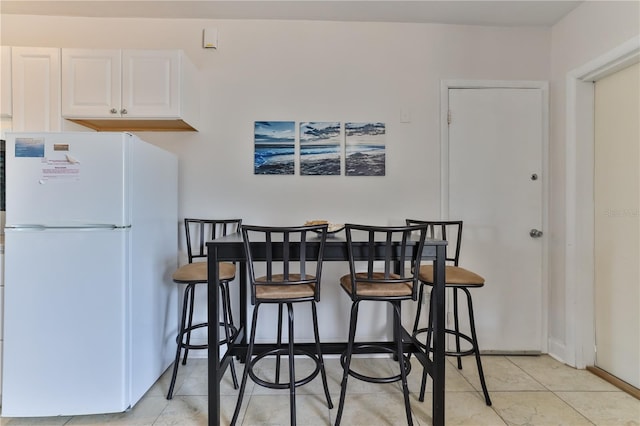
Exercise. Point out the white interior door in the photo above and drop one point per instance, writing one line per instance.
(617, 224)
(495, 185)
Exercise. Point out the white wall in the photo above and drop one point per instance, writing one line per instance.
(277, 70)
(591, 30)
(310, 71)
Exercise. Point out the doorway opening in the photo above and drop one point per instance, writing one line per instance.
(579, 237)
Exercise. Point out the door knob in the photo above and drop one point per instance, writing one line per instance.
(534, 233)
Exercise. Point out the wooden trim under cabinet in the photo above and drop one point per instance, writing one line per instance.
(132, 125)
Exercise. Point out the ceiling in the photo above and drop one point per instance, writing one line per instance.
(473, 12)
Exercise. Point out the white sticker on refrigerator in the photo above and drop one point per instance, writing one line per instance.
(62, 168)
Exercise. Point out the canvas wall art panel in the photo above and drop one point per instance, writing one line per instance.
(365, 149)
(274, 147)
(320, 148)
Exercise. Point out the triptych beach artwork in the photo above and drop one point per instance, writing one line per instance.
(320, 148)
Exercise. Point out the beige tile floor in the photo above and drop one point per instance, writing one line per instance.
(527, 390)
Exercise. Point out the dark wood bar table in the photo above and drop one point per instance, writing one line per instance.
(231, 249)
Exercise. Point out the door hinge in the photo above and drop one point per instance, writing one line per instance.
(449, 117)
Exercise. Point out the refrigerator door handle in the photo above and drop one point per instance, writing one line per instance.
(36, 227)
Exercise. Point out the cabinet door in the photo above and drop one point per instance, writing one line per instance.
(5, 82)
(91, 83)
(35, 73)
(151, 83)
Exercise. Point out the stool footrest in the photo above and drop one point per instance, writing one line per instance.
(286, 385)
(448, 331)
(223, 341)
(371, 379)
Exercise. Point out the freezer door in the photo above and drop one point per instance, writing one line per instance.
(68, 178)
(66, 333)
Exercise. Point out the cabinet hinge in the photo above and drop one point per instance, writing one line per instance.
(449, 117)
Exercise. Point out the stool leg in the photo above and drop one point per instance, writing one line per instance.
(423, 385)
(430, 322)
(226, 309)
(403, 372)
(347, 364)
(247, 366)
(292, 368)
(176, 363)
(319, 352)
(476, 349)
(192, 293)
(230, 312)
(279, 341)
(419, 311)
(457, 325)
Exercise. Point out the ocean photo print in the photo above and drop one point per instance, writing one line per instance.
(274, 147)
(320, 148)
(365, 148)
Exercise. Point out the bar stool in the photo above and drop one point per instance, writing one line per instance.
(198, 232)
(382, 281)
(456, 279)
(293, 258)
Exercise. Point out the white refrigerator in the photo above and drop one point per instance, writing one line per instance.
(91, 232)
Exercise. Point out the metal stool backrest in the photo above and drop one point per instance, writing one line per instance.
(199, 231)
(447, 230)
(286, 251)
(400, 244)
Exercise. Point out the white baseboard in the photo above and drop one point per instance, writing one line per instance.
(557, 350)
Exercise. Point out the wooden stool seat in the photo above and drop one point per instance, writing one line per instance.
(275, 291)
(376, 289)
(456, 276)
(196, 272)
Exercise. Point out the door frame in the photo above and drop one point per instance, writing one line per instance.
(579, 345)
(543, 86)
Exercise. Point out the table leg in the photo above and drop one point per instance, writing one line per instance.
(214, 338)
(439, 337)
(243, 302)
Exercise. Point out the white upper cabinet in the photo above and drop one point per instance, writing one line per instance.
(5, 81)
(35, 82)
(130, 89)
(151, 83)
(91, 83)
